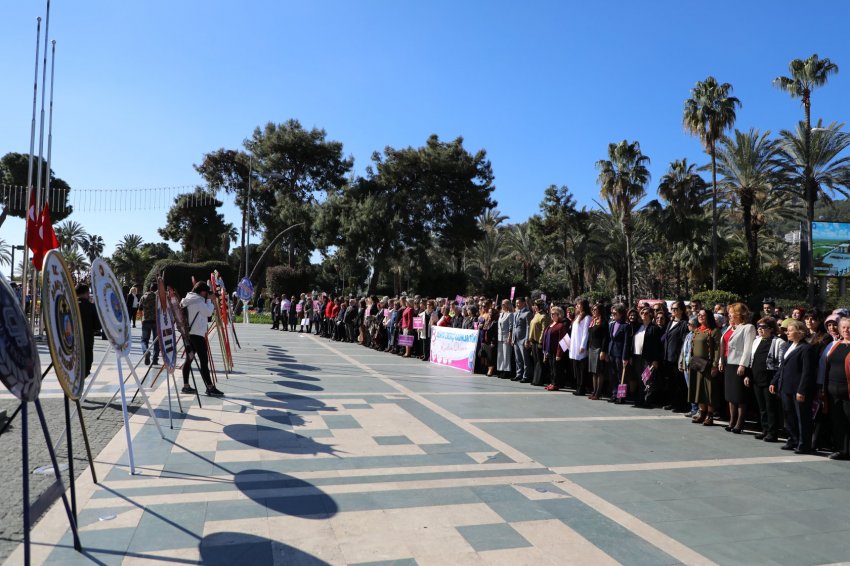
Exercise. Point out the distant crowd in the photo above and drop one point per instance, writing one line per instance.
(712, 363)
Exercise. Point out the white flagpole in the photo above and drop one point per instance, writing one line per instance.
(29, 168)
(41, 127)
(50, 121)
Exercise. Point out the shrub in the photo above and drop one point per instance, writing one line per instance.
(178, 274)
(289, 280)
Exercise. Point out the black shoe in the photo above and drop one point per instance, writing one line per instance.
(515, 378)
(728, 428)
(187, 389)
(525, 381)
(737, 430)
(147, 358)
(788, 446)
(770, 438)
(839, 456)
(213, 392)
(668, 407)
(760, 436)
(804, 451)
(578, 393)
(155, 362)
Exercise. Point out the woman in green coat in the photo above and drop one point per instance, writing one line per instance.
(704, 388)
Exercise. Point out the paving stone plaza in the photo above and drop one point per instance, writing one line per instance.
(330, 453)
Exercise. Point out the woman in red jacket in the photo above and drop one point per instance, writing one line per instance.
(406, 322)
(552, 352)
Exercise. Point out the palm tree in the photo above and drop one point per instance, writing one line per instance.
(128, 260)
(622, 180)
(708, 113)
(487, 251)
(5, 253)
(130, 242)
(490, 220)
(76, 262)
(71, 235)
(521, 243)
(749, 166)
(93, 246)
(805, 77)
(811, 163)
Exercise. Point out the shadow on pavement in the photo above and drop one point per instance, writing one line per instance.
(276, 440)
(228, 548)
(307, 501)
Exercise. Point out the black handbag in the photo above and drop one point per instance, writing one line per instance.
(698, 364)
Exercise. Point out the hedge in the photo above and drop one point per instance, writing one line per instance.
(711, 298)
(178, 274)
(282, 279)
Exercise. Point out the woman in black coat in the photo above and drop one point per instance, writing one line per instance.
(795, 382)
(489, 340)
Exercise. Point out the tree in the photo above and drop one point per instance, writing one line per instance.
(810, 161)
(198, 229)
(749, 165)
(622, 180)
(522, 247)
(76, 261)
(13, 171)
(708, 113)
(71, 235)
(127, 260)
(805, 77)
(93, 246)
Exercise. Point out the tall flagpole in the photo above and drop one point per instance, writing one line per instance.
(41, 126)
(50, 121)
(29, 169)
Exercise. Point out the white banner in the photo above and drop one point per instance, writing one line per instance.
(454, 347)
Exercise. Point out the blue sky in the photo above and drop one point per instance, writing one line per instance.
(144, 89)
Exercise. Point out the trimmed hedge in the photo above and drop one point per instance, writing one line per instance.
(178, 274)
(282, 279)
(711, 298)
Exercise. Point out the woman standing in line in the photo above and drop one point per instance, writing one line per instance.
(767, 352)
(836, 388)
(553, 355)
(578, 345)
(490, 340)
(505, 350)
(597, 348)
(705, 353)
(619, 349)
(735, 363)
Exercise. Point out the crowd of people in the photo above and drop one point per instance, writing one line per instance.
(722, 363)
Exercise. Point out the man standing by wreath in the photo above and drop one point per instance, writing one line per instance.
(148, 305)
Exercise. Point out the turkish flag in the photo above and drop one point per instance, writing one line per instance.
(47, 238)
(33, 236)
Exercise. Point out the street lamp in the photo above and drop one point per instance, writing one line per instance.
(12, 274)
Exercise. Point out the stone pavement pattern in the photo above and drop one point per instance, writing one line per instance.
(327, 453)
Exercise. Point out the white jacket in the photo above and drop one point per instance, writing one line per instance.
(578, 340)
(741, 346)
(199, 310)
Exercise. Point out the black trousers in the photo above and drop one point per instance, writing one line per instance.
(541, 370)
(770, 409)
(580, 374)
(675, 388)
(556, 371)
(798, 421)
(839, 410)
(199, 347)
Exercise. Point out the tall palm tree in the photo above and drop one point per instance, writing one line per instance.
(130, 242)
(749, 164)
(805, 77)
(521, 244)
(811, 163)
(708, 113)
(71, 235)
(490, 220)
(77, 263)
(486, 252)
(5, 253)
(622, 181)
(93, 246)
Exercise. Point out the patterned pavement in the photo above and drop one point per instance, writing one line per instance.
(328, 453)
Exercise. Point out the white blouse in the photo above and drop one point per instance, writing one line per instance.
(639, 340)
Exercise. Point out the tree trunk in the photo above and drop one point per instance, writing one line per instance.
(810, 218)
(629, 268)
(752, 250)
(713, 218)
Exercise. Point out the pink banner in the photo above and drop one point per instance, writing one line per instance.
(418, 323)
(405, 340)
(454, 347)
(513, 292)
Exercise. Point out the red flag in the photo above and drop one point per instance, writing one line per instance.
(47, 238)
(33, 236)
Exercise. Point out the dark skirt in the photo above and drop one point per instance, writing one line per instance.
(594, 365)
(733, 385)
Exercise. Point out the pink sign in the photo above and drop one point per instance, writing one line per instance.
(299, 307)
(405, 340)
(459, 299)
(513, 292)
(418, 323)
(386, 313)
(454, 347)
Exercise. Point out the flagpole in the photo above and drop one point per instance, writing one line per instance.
(29, 169)
(50, 122)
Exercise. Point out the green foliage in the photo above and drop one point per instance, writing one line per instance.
(282, 279)
(201, 230)
(178, 274)
(13, 171)
(711, 298)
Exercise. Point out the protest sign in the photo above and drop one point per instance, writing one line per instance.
(454, 347)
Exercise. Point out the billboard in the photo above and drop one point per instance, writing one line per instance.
(831, 248)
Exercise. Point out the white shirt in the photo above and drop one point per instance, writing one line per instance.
(578, 342)
(790, 348)
(639, 340)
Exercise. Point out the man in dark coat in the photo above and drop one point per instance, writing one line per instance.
(89, 322)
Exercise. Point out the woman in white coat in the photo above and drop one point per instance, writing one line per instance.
(578, 345)
(736, 346)
(505, 349)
